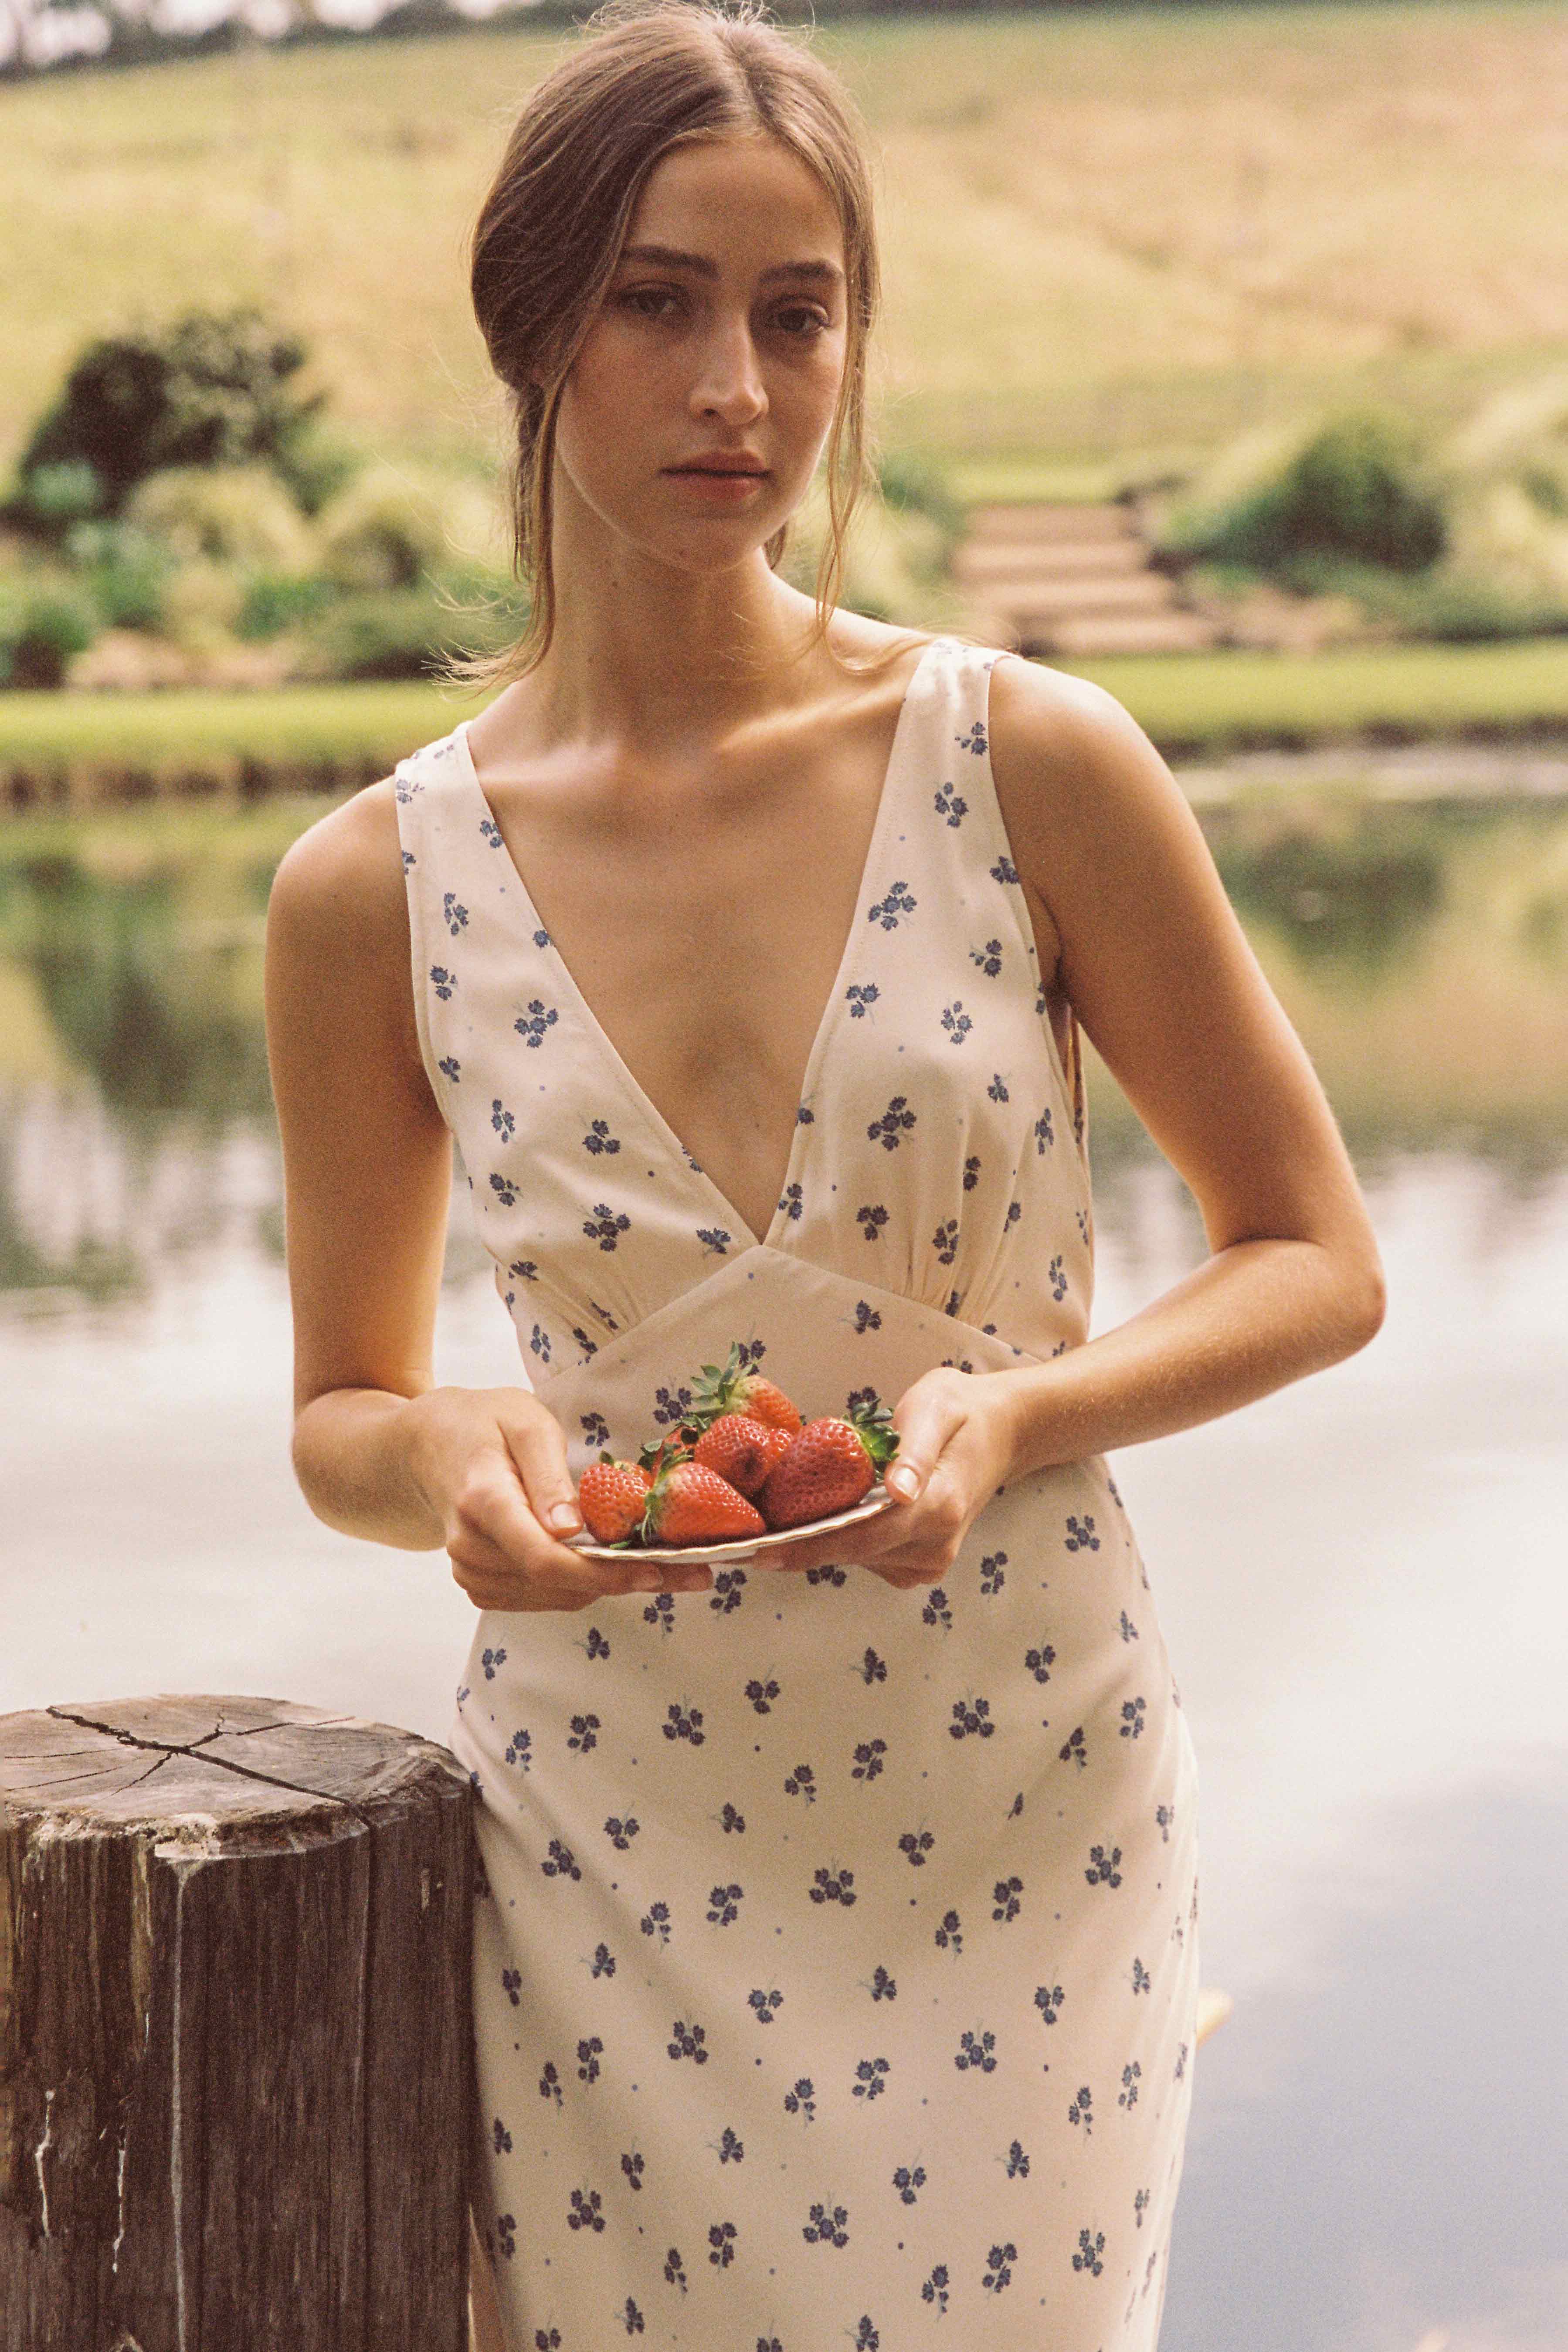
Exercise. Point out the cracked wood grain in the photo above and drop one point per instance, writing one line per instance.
(213, 1972)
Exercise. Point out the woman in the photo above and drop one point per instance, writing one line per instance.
(836, 1955)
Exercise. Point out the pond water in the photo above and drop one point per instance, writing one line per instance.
(1360, 1579)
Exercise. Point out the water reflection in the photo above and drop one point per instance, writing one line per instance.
(1423, 954)
(1362, 892)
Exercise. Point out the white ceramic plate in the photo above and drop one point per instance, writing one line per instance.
(739, 1547)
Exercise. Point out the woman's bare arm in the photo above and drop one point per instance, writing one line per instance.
(367, 1166)
(379, 1449)
(1161, 975)
(1158, 970)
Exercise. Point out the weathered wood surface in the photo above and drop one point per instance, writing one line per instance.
(235, 2030)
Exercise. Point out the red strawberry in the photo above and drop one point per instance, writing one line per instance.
(612, 1496)
(735, 1387)
(741, 1450)
(690, 1503)
(831, 1466)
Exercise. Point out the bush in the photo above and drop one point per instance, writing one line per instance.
(400, 635)
(125, 572)
(395, 526)
(315, 464)
(273, 603)
(230, 514)
(42, 628)
(1447, 606)
(211, 390)
(1356, 490)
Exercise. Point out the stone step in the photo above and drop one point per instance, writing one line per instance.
(1173, 631)
(980, 563)
(1035, 525)
(1054, 600)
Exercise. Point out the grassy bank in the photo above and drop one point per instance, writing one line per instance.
(1193, 704)
(1105, 231)
(110, 746)
(87, 746)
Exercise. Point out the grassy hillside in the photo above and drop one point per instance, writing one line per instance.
(1141, 230)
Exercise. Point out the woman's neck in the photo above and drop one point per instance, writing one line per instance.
(645, 653)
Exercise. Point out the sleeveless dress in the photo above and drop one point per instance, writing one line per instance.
(836, 1953)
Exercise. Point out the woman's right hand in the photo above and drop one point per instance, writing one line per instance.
(491, 1465)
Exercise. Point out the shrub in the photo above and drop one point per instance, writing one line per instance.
(211, 390)
(1357, 490)
(273, 603)
(395, 526)
(230, 514)
(42, 628)
(125, 572)
(399, 634)
(316, 463)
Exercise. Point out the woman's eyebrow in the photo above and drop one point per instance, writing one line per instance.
(669, 256)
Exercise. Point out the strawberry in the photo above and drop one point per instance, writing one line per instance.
(734, 1387)
(688, 1503)
(741, 1450)
(658, 1451)
(830, 1466)
(612, 1496)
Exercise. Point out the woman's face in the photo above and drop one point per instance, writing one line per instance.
(720, 341)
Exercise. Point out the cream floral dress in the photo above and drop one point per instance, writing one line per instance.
(836, 1956)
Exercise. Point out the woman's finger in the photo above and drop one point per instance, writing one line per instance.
(538, 1446)
(555, 1576)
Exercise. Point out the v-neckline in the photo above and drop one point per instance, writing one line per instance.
(630, 1086)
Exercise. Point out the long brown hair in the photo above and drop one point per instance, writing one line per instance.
(648, 76)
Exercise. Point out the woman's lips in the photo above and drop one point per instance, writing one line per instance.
(727, 486)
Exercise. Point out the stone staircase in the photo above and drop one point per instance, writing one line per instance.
(1072, 579)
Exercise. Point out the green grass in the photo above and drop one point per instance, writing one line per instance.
(1208, 703)
(1108, 233)
(167, 736)
(338, 736)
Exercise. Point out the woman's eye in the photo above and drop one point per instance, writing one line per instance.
(803, 322)
(641, 296)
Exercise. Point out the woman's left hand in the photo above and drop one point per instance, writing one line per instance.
(955, 1450)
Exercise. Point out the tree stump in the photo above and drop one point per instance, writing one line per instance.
(235, 2030)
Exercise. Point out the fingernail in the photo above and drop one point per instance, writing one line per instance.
(565, 1517)
(905, 1482)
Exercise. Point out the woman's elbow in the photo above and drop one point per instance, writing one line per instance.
(1363, 1294)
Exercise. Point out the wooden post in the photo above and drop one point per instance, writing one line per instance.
(235, 2030)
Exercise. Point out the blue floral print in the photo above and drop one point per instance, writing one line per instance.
(531, 1025)
(889, 910)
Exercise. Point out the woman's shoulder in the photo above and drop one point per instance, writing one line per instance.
(1053, 732)
(339, 887)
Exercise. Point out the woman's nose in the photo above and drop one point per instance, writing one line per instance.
(730, 381)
